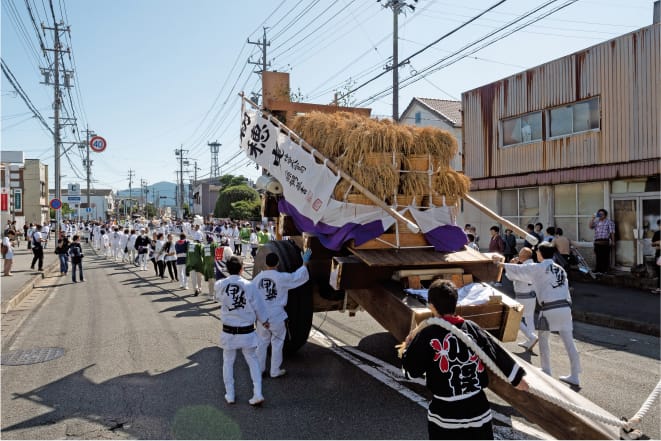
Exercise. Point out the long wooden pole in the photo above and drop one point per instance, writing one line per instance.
(492, 214)
(335, 169)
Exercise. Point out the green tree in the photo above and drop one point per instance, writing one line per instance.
(233, 194)
(231, 180)
(249, 210)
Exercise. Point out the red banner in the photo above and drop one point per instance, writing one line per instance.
(4, 202)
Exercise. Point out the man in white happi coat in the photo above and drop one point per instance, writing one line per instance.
(115, 243)
(525, 295)
(123, 245)
(240, 306)
(96, 237)
(273, 287)
(549, 281)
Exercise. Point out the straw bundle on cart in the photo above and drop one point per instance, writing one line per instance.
(397, 163)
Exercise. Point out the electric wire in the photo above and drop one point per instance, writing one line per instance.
(414, 78)
(444, 36)
(17, 87)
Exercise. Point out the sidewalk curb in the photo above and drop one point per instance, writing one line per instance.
(607, 321)
(10, 304)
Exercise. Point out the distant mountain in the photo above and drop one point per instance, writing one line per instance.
(165, 190)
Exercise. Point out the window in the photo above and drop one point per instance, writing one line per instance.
(522, 129)
(574, 118)
(520, 206)
(418, 117)
(574, 206)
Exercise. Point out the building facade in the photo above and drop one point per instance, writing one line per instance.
(442, 114)
(102, 204)
(557, 142)
(205, 195)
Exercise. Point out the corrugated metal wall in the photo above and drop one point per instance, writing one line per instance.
(625, 73)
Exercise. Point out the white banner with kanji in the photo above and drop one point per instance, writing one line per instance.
(306, 184)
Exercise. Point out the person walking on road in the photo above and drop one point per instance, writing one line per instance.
(76, 253)
(181, 249)
(62, 251)
(38, 249)
(549, 281)
(604, 240)
(273, 287)
(142, 245)
(8, 252)
(240, 306)
(171, 258)
(455, 375)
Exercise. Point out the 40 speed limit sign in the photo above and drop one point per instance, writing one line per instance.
(98, 144)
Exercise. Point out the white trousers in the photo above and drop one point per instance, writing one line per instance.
(250, 355)
(142, 261)
(527, 325)
(275, 336)
(183, 278)
(196, 279)
(545, 351)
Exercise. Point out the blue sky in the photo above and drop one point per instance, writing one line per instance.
(152, 76)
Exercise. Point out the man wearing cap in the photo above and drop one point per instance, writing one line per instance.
(273, 287)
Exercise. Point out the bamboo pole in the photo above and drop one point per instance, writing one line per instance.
(492, 214)
(412, 226)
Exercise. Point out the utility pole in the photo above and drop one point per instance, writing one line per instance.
(263, 44)
(180, 153)
(131, 175)
(88, 166)
(57, 50)
(397, 6)
(143, 191)
(215, 169)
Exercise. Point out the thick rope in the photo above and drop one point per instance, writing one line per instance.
(627, 425)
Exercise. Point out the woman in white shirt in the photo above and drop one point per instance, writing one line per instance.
(171, 258)
(159, 255)
(8, 256)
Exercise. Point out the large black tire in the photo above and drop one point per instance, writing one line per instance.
(299, 305)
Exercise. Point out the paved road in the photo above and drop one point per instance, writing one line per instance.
(141, 361)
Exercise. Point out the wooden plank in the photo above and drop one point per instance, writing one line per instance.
(389, 241)
(388, 304)
(472, 262)
(351, 273)
(558, 421)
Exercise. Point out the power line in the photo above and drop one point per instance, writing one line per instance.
(438, 64)
(17, 87)
(407, 59)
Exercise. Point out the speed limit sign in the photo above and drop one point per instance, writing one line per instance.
(98, 144)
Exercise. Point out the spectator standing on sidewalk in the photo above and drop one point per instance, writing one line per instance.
(38, 249)
(496, 245)
(510, 245)
(8, 252)
(240, 306)
(604, 239)
(549, 281)
(656, 243)
(273, 287)
(76, 253)
(563, 245)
